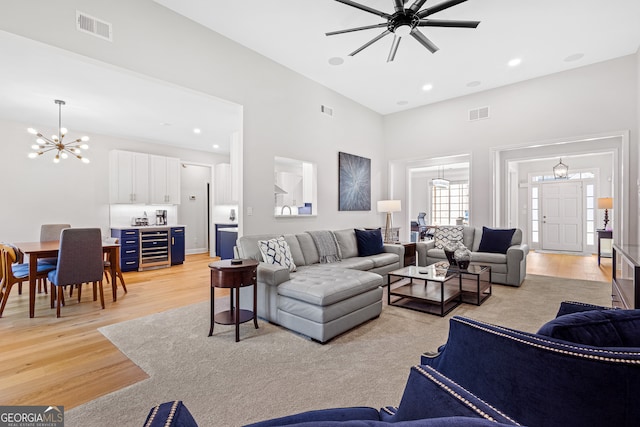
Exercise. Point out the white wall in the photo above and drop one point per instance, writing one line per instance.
(281, 108)
(636, 188)
(38, 191)
(595, 99)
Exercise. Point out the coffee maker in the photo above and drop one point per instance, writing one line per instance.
(161, 217)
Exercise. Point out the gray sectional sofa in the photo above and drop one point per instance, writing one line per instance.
(508, 268)
(320, 301)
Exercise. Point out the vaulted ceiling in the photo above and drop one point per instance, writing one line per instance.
(548, 36)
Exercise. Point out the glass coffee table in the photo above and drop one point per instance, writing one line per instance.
(428, 289)
(475, 283)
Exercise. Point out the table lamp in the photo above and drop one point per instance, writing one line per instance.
(388, 206)
(605, 203)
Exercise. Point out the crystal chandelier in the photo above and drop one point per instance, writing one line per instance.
(63, 150)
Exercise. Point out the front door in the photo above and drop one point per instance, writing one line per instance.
(562, 216)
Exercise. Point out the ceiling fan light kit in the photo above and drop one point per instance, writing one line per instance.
(405, 22)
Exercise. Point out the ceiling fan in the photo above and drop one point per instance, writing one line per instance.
(404, 22)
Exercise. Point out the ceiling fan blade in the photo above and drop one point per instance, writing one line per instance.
(448, 23)
(417, 5)
(369, 43)
(424, 41)
(399, 5)
(439, 7)
(367, 27)
(365, 8)
(394, 47)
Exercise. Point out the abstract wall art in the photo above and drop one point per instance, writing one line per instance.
(354, 182)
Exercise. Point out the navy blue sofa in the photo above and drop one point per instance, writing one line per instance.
(580, 369)
(429, 399)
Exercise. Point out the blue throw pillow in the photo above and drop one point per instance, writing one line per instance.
(369, 242)
(496, 241)
(598, 328)
(568, 307)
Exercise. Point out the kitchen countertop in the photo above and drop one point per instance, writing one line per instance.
(146, 227)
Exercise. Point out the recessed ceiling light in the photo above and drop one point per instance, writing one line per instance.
(402, 102)
(574, 57)
(427, 87)
(197, 130)
(216, 146)
(515, 62)
(336, 60)
(474, 83)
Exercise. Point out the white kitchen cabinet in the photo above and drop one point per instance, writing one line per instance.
(164, 180)
(128, 177)
(222, 184)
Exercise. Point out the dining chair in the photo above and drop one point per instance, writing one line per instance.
(49, 233)
(14, 272)
(79, 261)
(107, 266)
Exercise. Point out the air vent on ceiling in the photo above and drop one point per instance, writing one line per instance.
(479, 113)
(94, 26)
(326, 110)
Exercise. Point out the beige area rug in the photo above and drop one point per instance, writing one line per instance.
(273, 372)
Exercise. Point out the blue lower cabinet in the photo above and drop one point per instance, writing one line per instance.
(129, 240)
(226, 236)
(177, 245)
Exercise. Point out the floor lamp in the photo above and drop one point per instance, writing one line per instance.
(388, 207)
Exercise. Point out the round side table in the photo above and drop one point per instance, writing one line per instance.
(224, 274)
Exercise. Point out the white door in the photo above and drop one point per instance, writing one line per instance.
(562, 216)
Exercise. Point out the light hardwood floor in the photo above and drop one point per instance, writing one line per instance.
(569, 266)
(67, 361)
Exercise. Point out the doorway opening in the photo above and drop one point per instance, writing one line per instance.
(526, 191)
(438, 192)
(194, 210)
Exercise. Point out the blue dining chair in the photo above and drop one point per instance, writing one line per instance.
(13, 271)
(79, 261)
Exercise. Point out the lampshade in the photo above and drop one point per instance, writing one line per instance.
(605, 203)
(389, 206)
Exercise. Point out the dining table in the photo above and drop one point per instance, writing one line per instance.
(36, 250)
